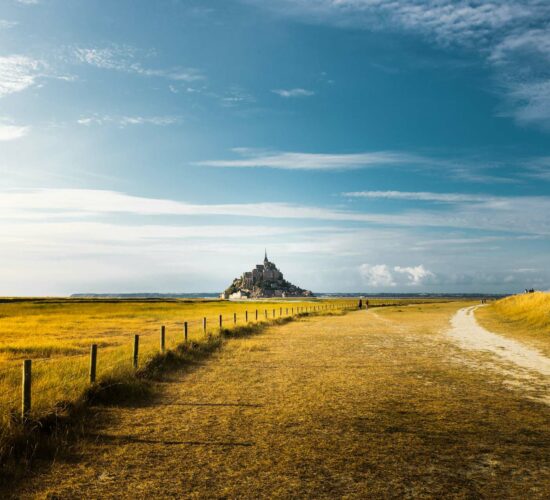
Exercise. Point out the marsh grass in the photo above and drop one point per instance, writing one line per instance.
(525, 317)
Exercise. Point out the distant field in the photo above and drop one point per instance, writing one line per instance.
(525, 316)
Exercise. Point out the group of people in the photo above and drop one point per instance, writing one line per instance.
(361, 304)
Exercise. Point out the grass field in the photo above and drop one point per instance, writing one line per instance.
(377, 404)
(525, 317)
(57, 333)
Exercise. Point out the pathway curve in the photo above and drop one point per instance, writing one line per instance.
(471, 335)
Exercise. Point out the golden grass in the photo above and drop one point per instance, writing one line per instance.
(57, 334)
(373, 404)
(525, 316)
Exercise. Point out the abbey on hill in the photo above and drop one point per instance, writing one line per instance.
(264, 281)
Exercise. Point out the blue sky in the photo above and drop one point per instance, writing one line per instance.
(369, 145)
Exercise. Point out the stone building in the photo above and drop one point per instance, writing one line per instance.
(265, 280)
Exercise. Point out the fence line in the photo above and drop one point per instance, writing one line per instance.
(26, 385)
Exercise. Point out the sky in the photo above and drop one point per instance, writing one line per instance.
(369, 145)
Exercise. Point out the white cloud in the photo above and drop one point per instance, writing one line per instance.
(311, 161)
(5, 24)
(378, 275)
(17, 73)
(79, 239)
(124, 58)
(10, 132)
(124, 121)
(297, 92)
(523, 215)
(421, 196)
(415, 275)
(384, 276)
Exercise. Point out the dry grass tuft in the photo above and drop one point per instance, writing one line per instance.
(525, 316)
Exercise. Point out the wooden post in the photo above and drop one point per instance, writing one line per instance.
(162, 338)
(26, 389)
(281, 311)
(256, 314)
(221, 321)
(265, 314)
(204, 325)
(273, 312)
(136, 350)
(246, 316)
(234, 318)
(185, 331)
(93, 363)
(287, 311)
(293, 311)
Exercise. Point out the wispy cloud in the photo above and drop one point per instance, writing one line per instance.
(18, 73)
(5, 24)
(421, 196)
(77, 239)
(9, 132)
(124, 58)
(524, 215)
(296, 92)
(124, 121)
(310, 161)
(511, 35)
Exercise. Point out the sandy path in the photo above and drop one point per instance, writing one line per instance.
(470, 335)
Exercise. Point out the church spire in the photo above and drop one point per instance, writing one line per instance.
(265, 258)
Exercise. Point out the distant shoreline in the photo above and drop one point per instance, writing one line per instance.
(318, 295)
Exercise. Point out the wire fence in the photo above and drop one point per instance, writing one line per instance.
(43, 386)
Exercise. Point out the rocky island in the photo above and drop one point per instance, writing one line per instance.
(264, 281)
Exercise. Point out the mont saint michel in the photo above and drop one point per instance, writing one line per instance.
(264, 281)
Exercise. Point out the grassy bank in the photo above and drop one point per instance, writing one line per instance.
(525, 317)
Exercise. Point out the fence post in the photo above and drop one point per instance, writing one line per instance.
(234, 318)
(162, 338)
(273, 312)
(204, 325)
(221, 321)
(246, 316)
(136, 350)
(265, 314)
(185, 331)
(256, 314)
(280, 311)
(93, 363)
(26, 389)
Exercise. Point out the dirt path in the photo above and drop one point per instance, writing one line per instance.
(355, 406)
(470, 335)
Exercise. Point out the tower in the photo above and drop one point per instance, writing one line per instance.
(266, 260)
